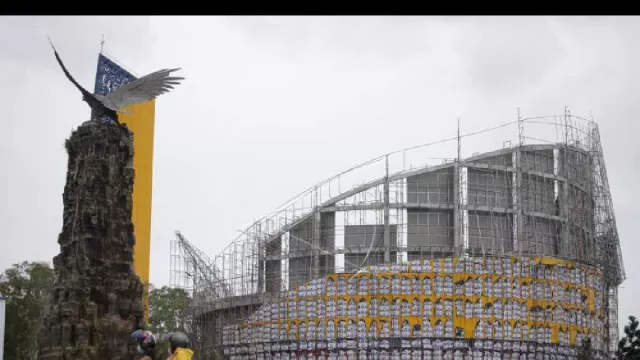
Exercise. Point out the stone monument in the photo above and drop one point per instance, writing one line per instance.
(97, 297)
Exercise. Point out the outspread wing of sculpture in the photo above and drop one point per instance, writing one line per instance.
(138, 91)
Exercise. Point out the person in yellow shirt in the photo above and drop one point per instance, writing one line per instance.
(179, 346)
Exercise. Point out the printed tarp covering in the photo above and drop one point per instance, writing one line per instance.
(446, 308)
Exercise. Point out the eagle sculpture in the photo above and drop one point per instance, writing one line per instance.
(138, 91)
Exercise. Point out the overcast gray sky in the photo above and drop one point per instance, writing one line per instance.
(272, 105)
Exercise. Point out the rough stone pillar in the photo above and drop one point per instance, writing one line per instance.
(97, 297)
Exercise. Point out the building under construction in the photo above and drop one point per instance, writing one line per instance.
(509, 252)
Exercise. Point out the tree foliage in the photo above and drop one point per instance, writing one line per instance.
(629, 345)
(27, 288)
(168, 312)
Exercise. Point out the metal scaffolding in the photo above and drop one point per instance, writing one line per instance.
(546, 196)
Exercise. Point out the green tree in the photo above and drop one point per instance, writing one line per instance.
(168, 311)
(629, 345)
(27, 287)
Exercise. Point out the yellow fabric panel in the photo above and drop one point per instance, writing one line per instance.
(142, 122)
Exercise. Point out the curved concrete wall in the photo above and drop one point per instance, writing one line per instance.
(534, 200)
(527, 202)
